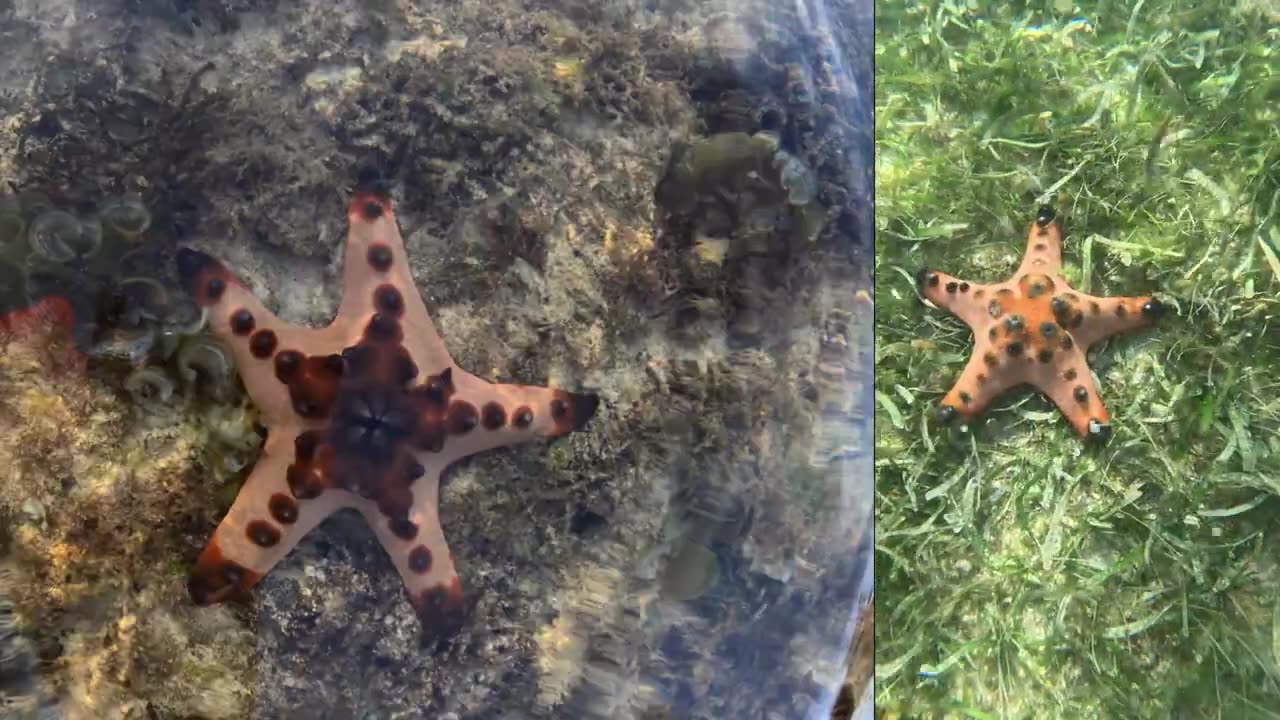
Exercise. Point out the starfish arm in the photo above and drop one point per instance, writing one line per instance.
(1044, 246)
(1102, 317)
(484, 415)
(265, 522)
(419, 552)
(980, 383)
(377, 279)
(1071, 388)
(967, 301)
(253, 334)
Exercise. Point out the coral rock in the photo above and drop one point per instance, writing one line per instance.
(365, 413)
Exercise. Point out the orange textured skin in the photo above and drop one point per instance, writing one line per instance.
(1034, 329)
(366, 413)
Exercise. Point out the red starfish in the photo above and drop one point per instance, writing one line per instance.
(1034, 328)
(365, 413)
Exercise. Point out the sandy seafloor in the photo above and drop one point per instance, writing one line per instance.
(587, 201)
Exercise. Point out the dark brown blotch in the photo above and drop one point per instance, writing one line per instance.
(964, 287)
(493, 416)
(262, 343)
(1081, 394)
(995, 309)
(383, 328)
(283, 509)
(1014, 348)
(965, 398)
(1121, 310)
(288, 362)
(303, 483)
(990, 358)
(420, 559)
(522, 417)
(1070, 374)
(241, 322)
(388, 299)
(262, 533)
(371, 210)
(463, 417)
(379, 257)
(952, 287)
(403, 528)
(1045, 355)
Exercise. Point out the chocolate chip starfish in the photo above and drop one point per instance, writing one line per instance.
(365, 413)
(1034, 328)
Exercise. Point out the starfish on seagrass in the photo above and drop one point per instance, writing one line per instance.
(365, 413)
(1034, 328)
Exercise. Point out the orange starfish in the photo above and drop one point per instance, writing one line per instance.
(365, 413)
(1034, 328)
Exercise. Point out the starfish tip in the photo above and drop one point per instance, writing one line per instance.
(1154, 309)
(191, 263)
(1045, 215)
(441, 610)
(369, 205)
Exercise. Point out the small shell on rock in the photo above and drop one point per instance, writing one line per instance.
(149, 386)
(203, 362)
(60, 237)
(126, 216)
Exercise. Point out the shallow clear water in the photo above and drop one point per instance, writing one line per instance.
(662, 205)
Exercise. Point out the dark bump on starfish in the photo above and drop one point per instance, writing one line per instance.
(1067, 342)
(372, 210)
(262, 343)
(946, 414)
(211, 583)
(964, 287)
(299, 479)
(1044, 216)
(993, 333)
(403, 528)
(214, 288)
(415, 471)
(406, 370)
(288, 363)
(1004, 292)
(1013, 324)
(382, 327)
(1048, 329)
(283, 509)
(522, 417)
(1040, 247)
(1045, 355)
(1081, 395)
(262, 533)
(241, 322)
(493, 416)
(1015, 348)
(1094, 307)
(979, 294)
(1121, 310)
(994, 309)
(982, 378)
(387, 299)
(420, 559)
(1077, 320)
(990, 358)
(1153, 309)
(1099, 430)
(1070, 374)
(462, 418)
(925, 278)
(335, 364)
(1059, 306)
(965, 397)
(952, 287)
(304, 446)
(379, 257)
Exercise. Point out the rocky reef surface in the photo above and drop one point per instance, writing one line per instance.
(667, 202)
